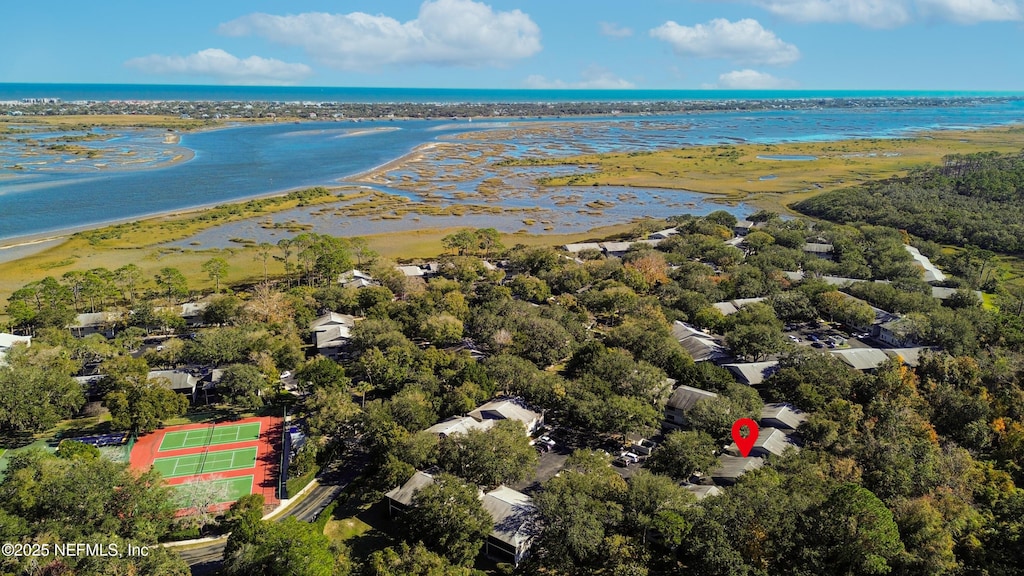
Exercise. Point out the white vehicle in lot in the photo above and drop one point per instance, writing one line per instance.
(631, 457)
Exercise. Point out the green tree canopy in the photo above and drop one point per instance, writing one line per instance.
(449, 519)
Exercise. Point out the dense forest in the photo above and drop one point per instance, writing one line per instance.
(904, 471)
(975, 199)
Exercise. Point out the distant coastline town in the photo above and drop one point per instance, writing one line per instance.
(324, 110)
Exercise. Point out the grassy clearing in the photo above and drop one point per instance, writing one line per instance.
(360, 527)
(743, 173)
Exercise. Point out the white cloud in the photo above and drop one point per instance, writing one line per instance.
(613, 30)
(744, 41)
(972, 11)
(871, 13)
(593, 78)
(224, 67)
(444, 33)
(752, 80)
(893, 13)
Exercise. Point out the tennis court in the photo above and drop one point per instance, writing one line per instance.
(206, 463)
(210, 436)
(233, 489)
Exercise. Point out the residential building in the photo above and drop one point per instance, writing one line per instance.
(898, 333)
(512, 512)
(769, 441)
(752, 373)
(682, 400)
(782, 416)
(575, 249)
(864, 359)
(95, 323)
(515, 525)
(177, 380)
(332, 332)
(509, 409)
(8, 341)
(818, 249)
(662, 234)
(730, 468)
(931, 274)
(458, 425)
(400, 498)
(616, 249)
(702, 491)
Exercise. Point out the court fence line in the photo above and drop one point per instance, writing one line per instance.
(206, 450)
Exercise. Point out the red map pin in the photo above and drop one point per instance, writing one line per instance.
(744, 443)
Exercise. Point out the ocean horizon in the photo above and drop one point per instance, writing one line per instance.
(370, 95)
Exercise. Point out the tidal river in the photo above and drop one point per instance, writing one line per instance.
(245, 161)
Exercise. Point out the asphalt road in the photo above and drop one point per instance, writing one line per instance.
(206, 560)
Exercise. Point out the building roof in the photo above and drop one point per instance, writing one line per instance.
(862, 358)
(726, 308)
(178, 380)
(404, 493)
(769, 441)
(513, 514)
(732, 467)
(940, 293)
(8, 340)
(910, 356)
(701, 491)
(333, 319)
(193, 309)
(685, 397)
(506, 409)
(733, 306)
(94, 319)
(353, 275)
(358, 283)
(752, 373)
(703, 349)
(782, 416)
(662, 234)
(411, 271)
(610, 247)
(817, 248)
(581, 246)
(931, 272)
(459, 425)
(333, 336)
(681, 330)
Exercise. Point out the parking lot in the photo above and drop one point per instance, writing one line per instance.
(825, 336)
(551, 460)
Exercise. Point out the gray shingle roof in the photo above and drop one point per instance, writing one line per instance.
(685, 397)
(513, 514)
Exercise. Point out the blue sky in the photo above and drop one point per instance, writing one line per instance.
(644, 44)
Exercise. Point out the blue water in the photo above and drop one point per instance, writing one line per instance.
(105, 92)
(245, 161)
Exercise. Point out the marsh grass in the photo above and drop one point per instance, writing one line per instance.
(734, 172)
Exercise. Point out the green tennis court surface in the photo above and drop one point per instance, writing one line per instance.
(193, 464)
(204, 436)
(230, 489)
